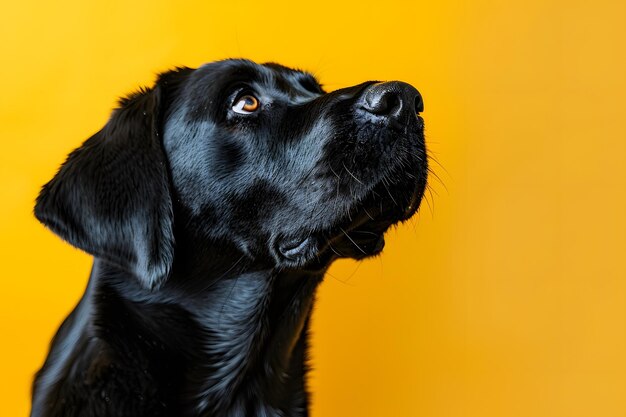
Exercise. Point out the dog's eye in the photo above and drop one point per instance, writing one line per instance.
(246, 104)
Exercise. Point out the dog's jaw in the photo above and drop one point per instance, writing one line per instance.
(360, 232)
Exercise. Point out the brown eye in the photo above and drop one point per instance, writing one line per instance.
(246, 104)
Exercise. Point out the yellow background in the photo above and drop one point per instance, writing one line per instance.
(505, 297)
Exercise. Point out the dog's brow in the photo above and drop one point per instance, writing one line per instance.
(309, 82)
(247, 72)
(292, 81)
(289, 83)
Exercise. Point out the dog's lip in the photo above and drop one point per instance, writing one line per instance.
(293, 247)
(413, 205)
(358, 235)
(365, 226)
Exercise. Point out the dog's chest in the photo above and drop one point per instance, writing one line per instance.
(253, 344)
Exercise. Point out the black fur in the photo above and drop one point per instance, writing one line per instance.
(210, 232)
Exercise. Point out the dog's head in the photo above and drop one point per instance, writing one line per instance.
(256, 156)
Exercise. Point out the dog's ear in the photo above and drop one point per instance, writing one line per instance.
(111, 198)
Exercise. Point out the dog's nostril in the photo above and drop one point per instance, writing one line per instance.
(393, 102)
(381, 103)
(419, 103)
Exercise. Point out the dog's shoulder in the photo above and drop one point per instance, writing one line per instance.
(95, 381)
(94, 369)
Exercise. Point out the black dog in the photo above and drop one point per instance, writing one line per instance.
(213, 203)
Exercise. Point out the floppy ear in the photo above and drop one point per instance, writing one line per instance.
(111, 197)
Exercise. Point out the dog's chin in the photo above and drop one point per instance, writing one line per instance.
(357, 235)
(363, 234)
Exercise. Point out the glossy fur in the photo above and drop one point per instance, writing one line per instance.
(210, 232)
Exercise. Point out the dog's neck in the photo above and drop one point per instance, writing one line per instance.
(247, 332)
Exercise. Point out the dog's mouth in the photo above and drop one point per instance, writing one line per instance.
(360, 233)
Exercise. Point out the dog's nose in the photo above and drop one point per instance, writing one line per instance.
(393, 99)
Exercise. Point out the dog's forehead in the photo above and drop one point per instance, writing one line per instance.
(283, 80)
(289, 80)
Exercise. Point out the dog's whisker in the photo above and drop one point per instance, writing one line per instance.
(364, 232)
(431, 189)
(345, 282)
(358, 265)
(434, 174)
(351, 174)
(390, 195)
(432, 212)
(334, 250)
(353, 242)
(431, 157)
(218, 279)
(230, 292)
(368, 214)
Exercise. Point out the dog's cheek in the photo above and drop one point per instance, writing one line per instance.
(254, 207)
(229, 158)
